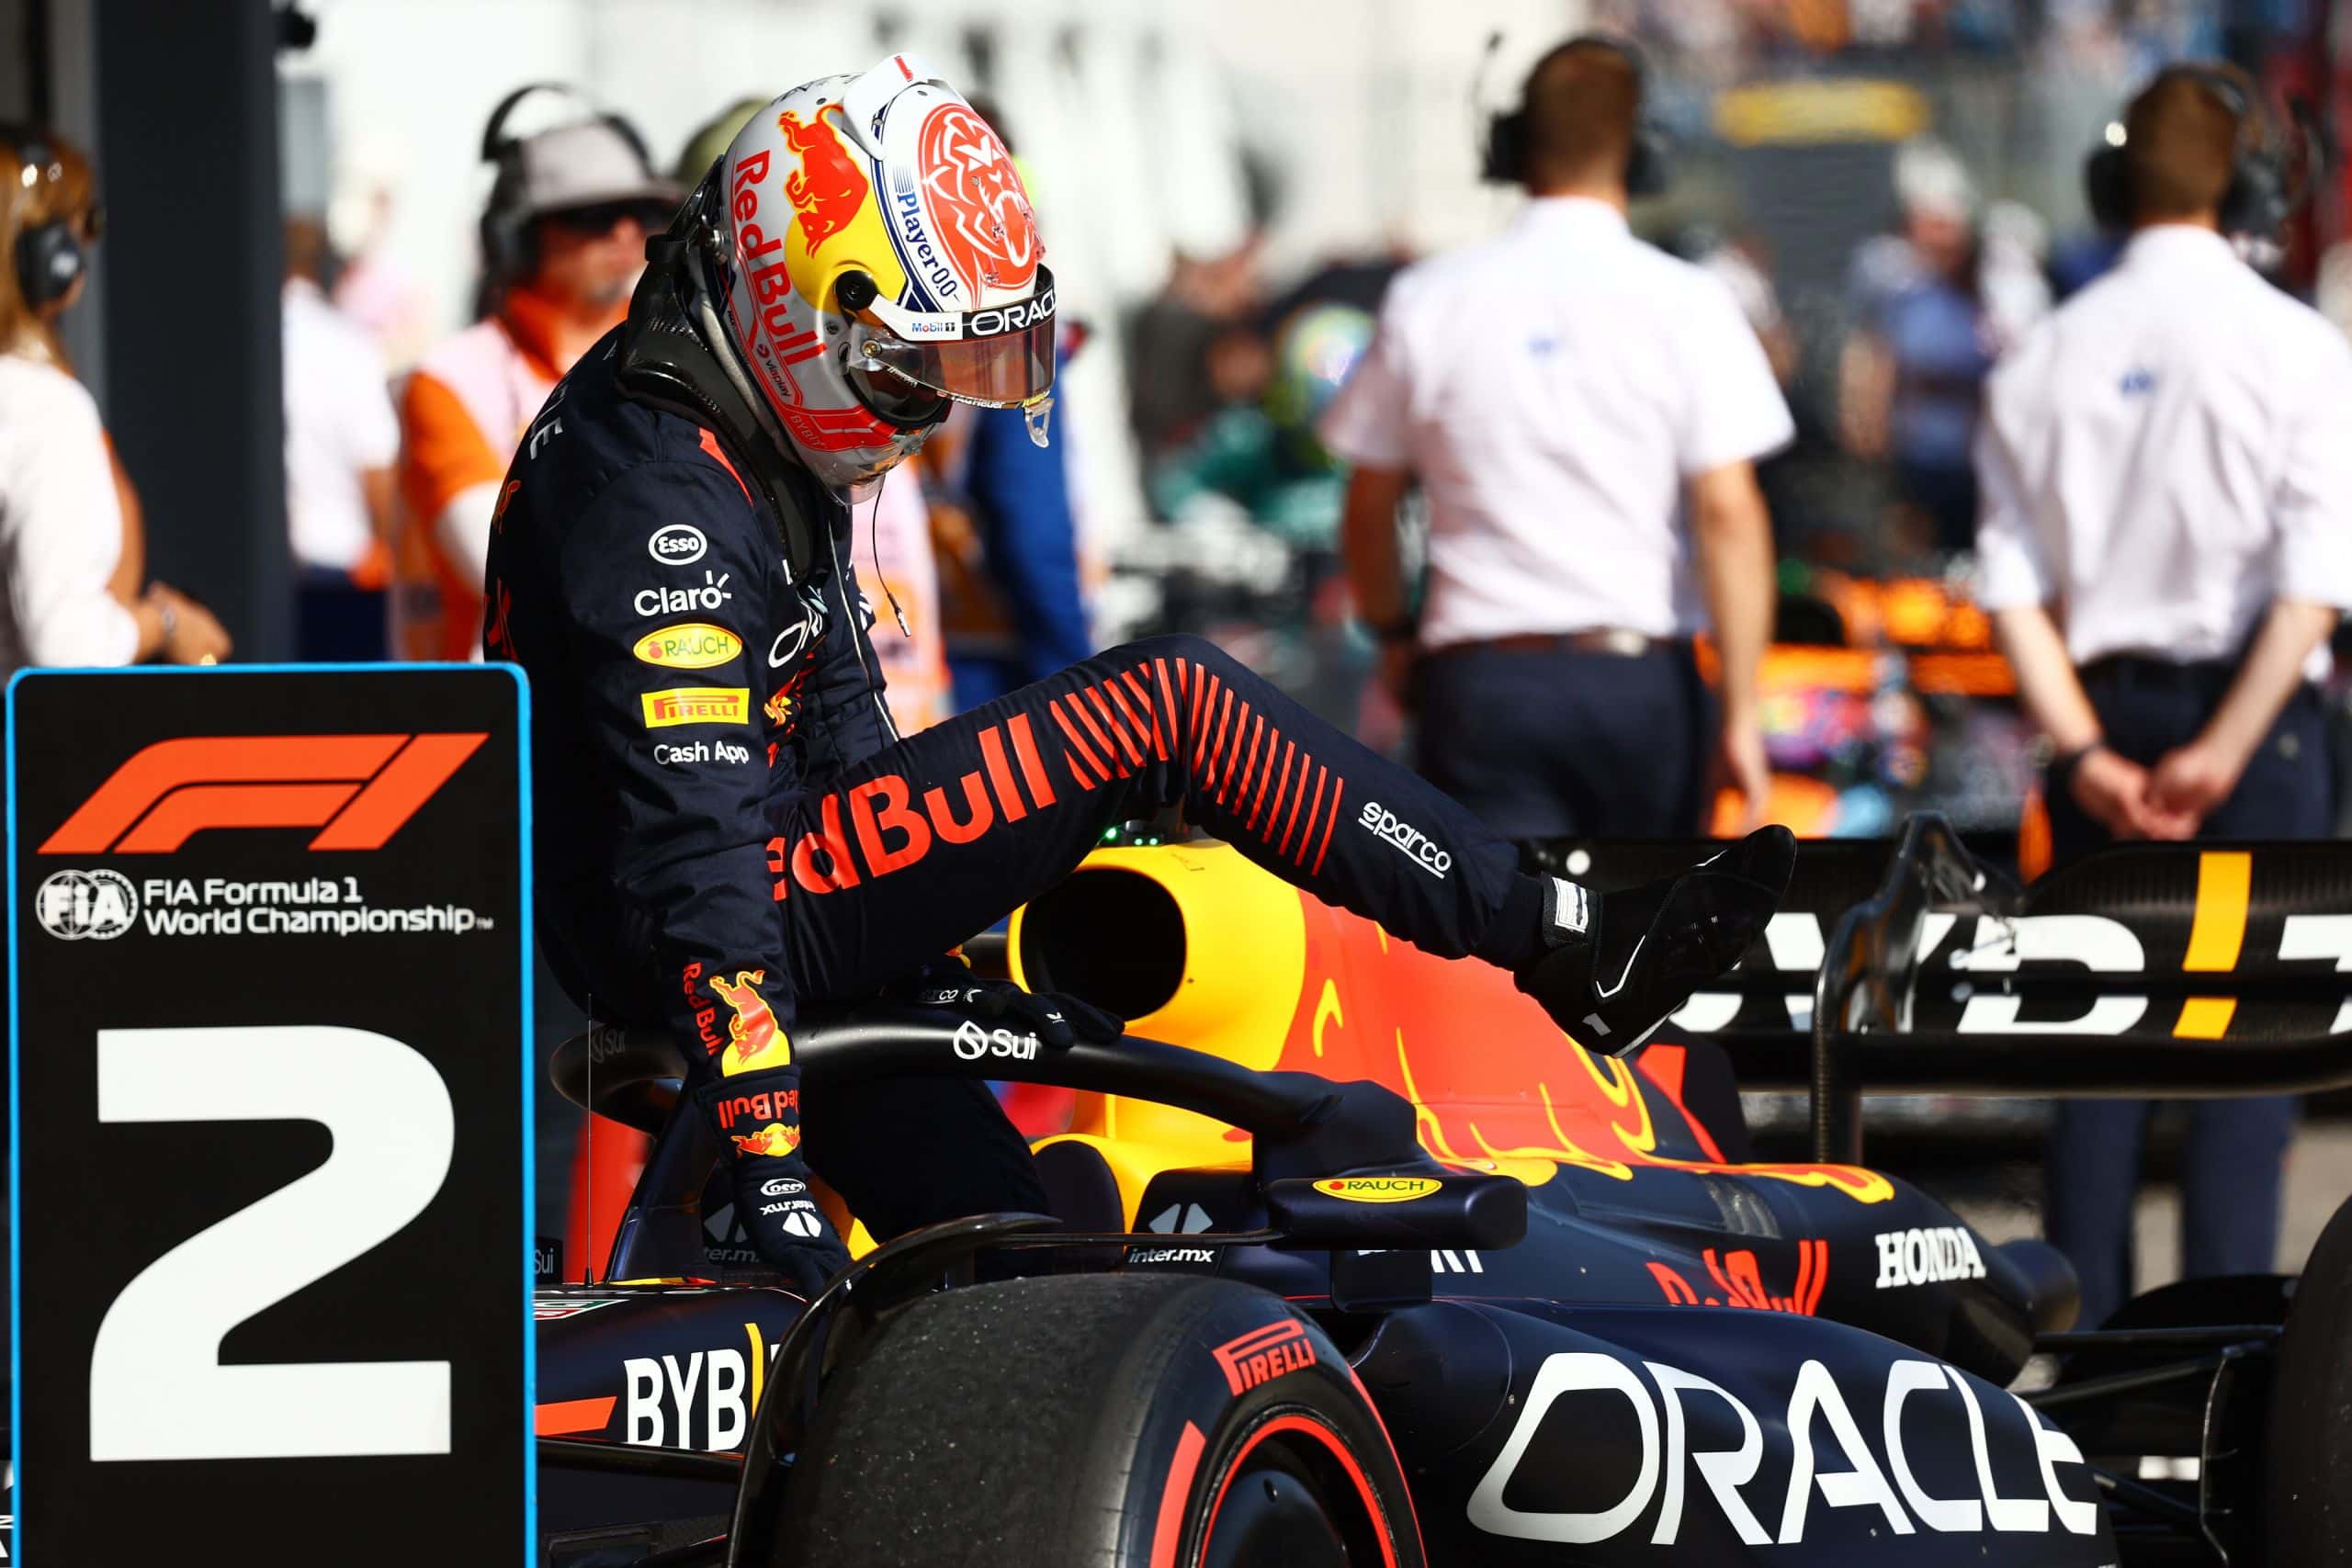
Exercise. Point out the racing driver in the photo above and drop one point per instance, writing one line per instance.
(727, 825)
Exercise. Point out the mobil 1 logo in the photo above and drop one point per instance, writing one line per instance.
(269, 1070)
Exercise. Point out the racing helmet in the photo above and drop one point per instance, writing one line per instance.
(883, 264)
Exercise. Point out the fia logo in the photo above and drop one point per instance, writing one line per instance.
(73, 905)
(2138, 382)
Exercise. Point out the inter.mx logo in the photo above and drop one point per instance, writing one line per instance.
(357, 790)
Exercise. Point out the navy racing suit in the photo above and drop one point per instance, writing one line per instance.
(726, 828)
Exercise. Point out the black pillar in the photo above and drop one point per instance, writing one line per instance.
(188, 119)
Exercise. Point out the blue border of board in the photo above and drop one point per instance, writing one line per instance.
(530, 1089)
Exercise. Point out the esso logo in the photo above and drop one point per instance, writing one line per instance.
(679, 544)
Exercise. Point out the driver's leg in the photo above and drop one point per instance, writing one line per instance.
(938, 836)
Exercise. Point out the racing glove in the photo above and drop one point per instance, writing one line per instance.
(759, 1113)
(1057, 1020)
(1614, 965)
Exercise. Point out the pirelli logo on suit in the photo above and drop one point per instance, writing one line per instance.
(696, 705)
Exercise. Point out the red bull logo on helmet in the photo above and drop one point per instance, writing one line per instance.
(830, 188)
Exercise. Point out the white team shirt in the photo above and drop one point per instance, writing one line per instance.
(2166, 455)
(61, 524)
(1553, 387)
(339, 424)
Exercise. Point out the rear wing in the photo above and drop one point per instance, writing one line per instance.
(2144, 969)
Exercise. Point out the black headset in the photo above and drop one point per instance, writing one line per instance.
(50, 256)
(506, 251)
(2261, 192)
(1648, 165)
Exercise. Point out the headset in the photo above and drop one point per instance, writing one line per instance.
(506, 250)
(2262, 192)
(51, 257)
(1648, 164)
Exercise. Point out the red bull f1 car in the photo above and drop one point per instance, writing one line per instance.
(1356, 1260)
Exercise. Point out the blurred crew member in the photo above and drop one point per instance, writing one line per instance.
(69, 571)
(562, 241)
(341, 438)
(1934, 306)
(1012, 594)
(729, 827)
(2166, 541)
(1584, 411)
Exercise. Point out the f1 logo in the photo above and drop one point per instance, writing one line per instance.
(357, 790)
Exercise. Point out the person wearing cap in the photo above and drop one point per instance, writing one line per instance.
(2166, 545)
(728, 829)
(563, 241)
(1587, 452)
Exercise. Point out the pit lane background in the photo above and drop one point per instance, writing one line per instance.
(433, 1288)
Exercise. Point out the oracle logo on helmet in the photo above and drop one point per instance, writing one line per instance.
(1012, 318)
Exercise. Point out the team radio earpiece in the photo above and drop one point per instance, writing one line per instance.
(2262, 193)
(1648, 165)
(505, 225)
(50, 256)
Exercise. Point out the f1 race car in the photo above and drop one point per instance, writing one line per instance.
(1355, 1259)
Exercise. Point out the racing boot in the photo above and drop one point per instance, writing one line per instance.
(1616, 964)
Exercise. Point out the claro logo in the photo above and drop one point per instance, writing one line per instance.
(357, 790)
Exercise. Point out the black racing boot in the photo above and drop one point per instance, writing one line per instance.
(1620, 962)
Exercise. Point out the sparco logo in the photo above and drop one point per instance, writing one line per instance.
(1927, 1256)
(1010, 317)
(73, 905)
(972, 1043)
(680, 544)
(1383, 823)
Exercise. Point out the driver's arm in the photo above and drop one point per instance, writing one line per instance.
(684, 759)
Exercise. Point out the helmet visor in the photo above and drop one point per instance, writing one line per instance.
(1000, 357)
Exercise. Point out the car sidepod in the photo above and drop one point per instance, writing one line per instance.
(1541, 1434)
(649, 1368)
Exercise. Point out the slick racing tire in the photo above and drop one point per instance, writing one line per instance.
(2307, 1500)
(1115, 1420)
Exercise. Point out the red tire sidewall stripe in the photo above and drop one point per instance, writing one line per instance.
(1169, 1533)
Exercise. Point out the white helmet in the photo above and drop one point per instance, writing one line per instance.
(883, 261)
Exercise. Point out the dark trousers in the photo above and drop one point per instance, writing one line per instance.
(1553, 743)
(2233, 1163)
(925, 842)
